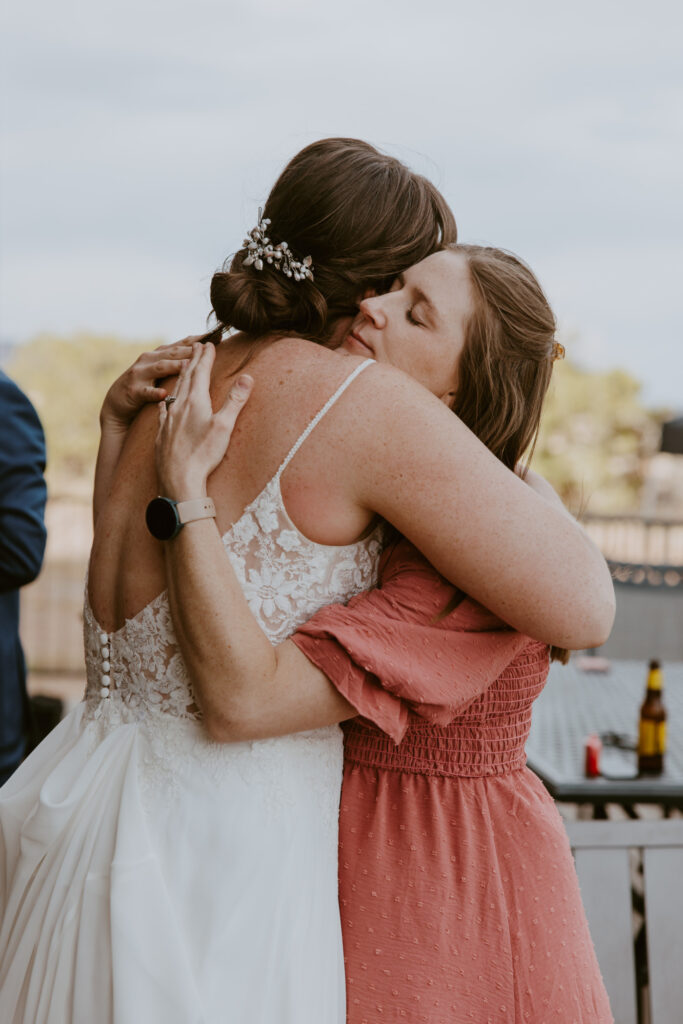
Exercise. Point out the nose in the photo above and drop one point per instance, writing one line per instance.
(373, 310)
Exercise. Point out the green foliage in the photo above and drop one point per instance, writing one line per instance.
(67, 379)
(594, 439)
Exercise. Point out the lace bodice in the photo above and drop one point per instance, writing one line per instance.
(138, 670)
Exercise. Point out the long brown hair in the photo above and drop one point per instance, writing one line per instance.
(361, 215)
(507, 360)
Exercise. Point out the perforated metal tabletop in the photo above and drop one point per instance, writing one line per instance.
(576, 703)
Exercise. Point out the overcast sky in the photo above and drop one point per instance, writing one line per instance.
(140, 137)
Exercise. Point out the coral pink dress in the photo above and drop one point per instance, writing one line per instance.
(458, 893)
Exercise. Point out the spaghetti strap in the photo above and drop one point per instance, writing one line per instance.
(317, 418)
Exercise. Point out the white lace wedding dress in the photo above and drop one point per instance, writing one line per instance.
(151, 876)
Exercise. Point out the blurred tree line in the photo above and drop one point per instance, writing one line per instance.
(595, 435)
(66, 378)
(596, 438)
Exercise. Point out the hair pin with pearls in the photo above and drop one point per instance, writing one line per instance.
(261, 250)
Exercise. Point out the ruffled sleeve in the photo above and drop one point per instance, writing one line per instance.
(409, 646)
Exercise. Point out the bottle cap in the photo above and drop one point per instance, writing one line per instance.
(655, 678)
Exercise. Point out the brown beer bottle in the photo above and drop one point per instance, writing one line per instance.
(652, 732)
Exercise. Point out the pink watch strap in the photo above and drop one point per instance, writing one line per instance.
(197, 508)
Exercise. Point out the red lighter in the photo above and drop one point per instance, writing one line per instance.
(593, 746)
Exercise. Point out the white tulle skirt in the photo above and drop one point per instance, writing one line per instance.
(147, 875)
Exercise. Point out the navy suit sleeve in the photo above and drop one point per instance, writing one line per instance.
(22, 488)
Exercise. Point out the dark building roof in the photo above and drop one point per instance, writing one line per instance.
(672, 436)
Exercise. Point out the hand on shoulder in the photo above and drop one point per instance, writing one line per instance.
(140, 384)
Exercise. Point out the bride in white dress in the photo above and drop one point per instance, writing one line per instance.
(146, 872)
(149, 873)
(191, 880)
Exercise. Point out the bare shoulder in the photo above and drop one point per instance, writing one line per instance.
(379, 391)
(383, 410)
(382, 404)
(272, 354)
(393, 413)
(386, 424)
(416, 463)
(290, 362)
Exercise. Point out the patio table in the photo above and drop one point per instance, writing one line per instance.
(575, 704)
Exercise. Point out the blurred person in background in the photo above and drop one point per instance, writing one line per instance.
(22, 544)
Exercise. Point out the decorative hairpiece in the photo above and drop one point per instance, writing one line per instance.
(558, 351)
(261, 248)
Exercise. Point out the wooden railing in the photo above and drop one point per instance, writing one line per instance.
(636, 541)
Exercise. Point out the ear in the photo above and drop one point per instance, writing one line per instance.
(448, 398)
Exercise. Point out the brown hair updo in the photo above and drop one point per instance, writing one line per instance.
(362, 216)
(507, 360)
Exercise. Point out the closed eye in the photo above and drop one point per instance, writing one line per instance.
(411, 319)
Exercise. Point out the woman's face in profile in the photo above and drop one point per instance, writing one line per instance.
(419, 325)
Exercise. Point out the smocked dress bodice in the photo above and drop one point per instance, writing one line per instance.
(487, 738)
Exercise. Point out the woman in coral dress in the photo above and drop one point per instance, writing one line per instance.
(459, 898)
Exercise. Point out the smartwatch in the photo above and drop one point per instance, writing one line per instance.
(165, 518)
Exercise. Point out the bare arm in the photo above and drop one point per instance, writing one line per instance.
(485, 530)
(425, 471)
(477, 523)
(246, 688)
(541, 486)
(135, 388)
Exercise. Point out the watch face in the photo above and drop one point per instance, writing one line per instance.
(162, 519)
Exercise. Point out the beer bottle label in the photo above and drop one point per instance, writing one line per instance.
(652, 738)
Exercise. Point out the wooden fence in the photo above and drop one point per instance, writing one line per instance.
(630, 539)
